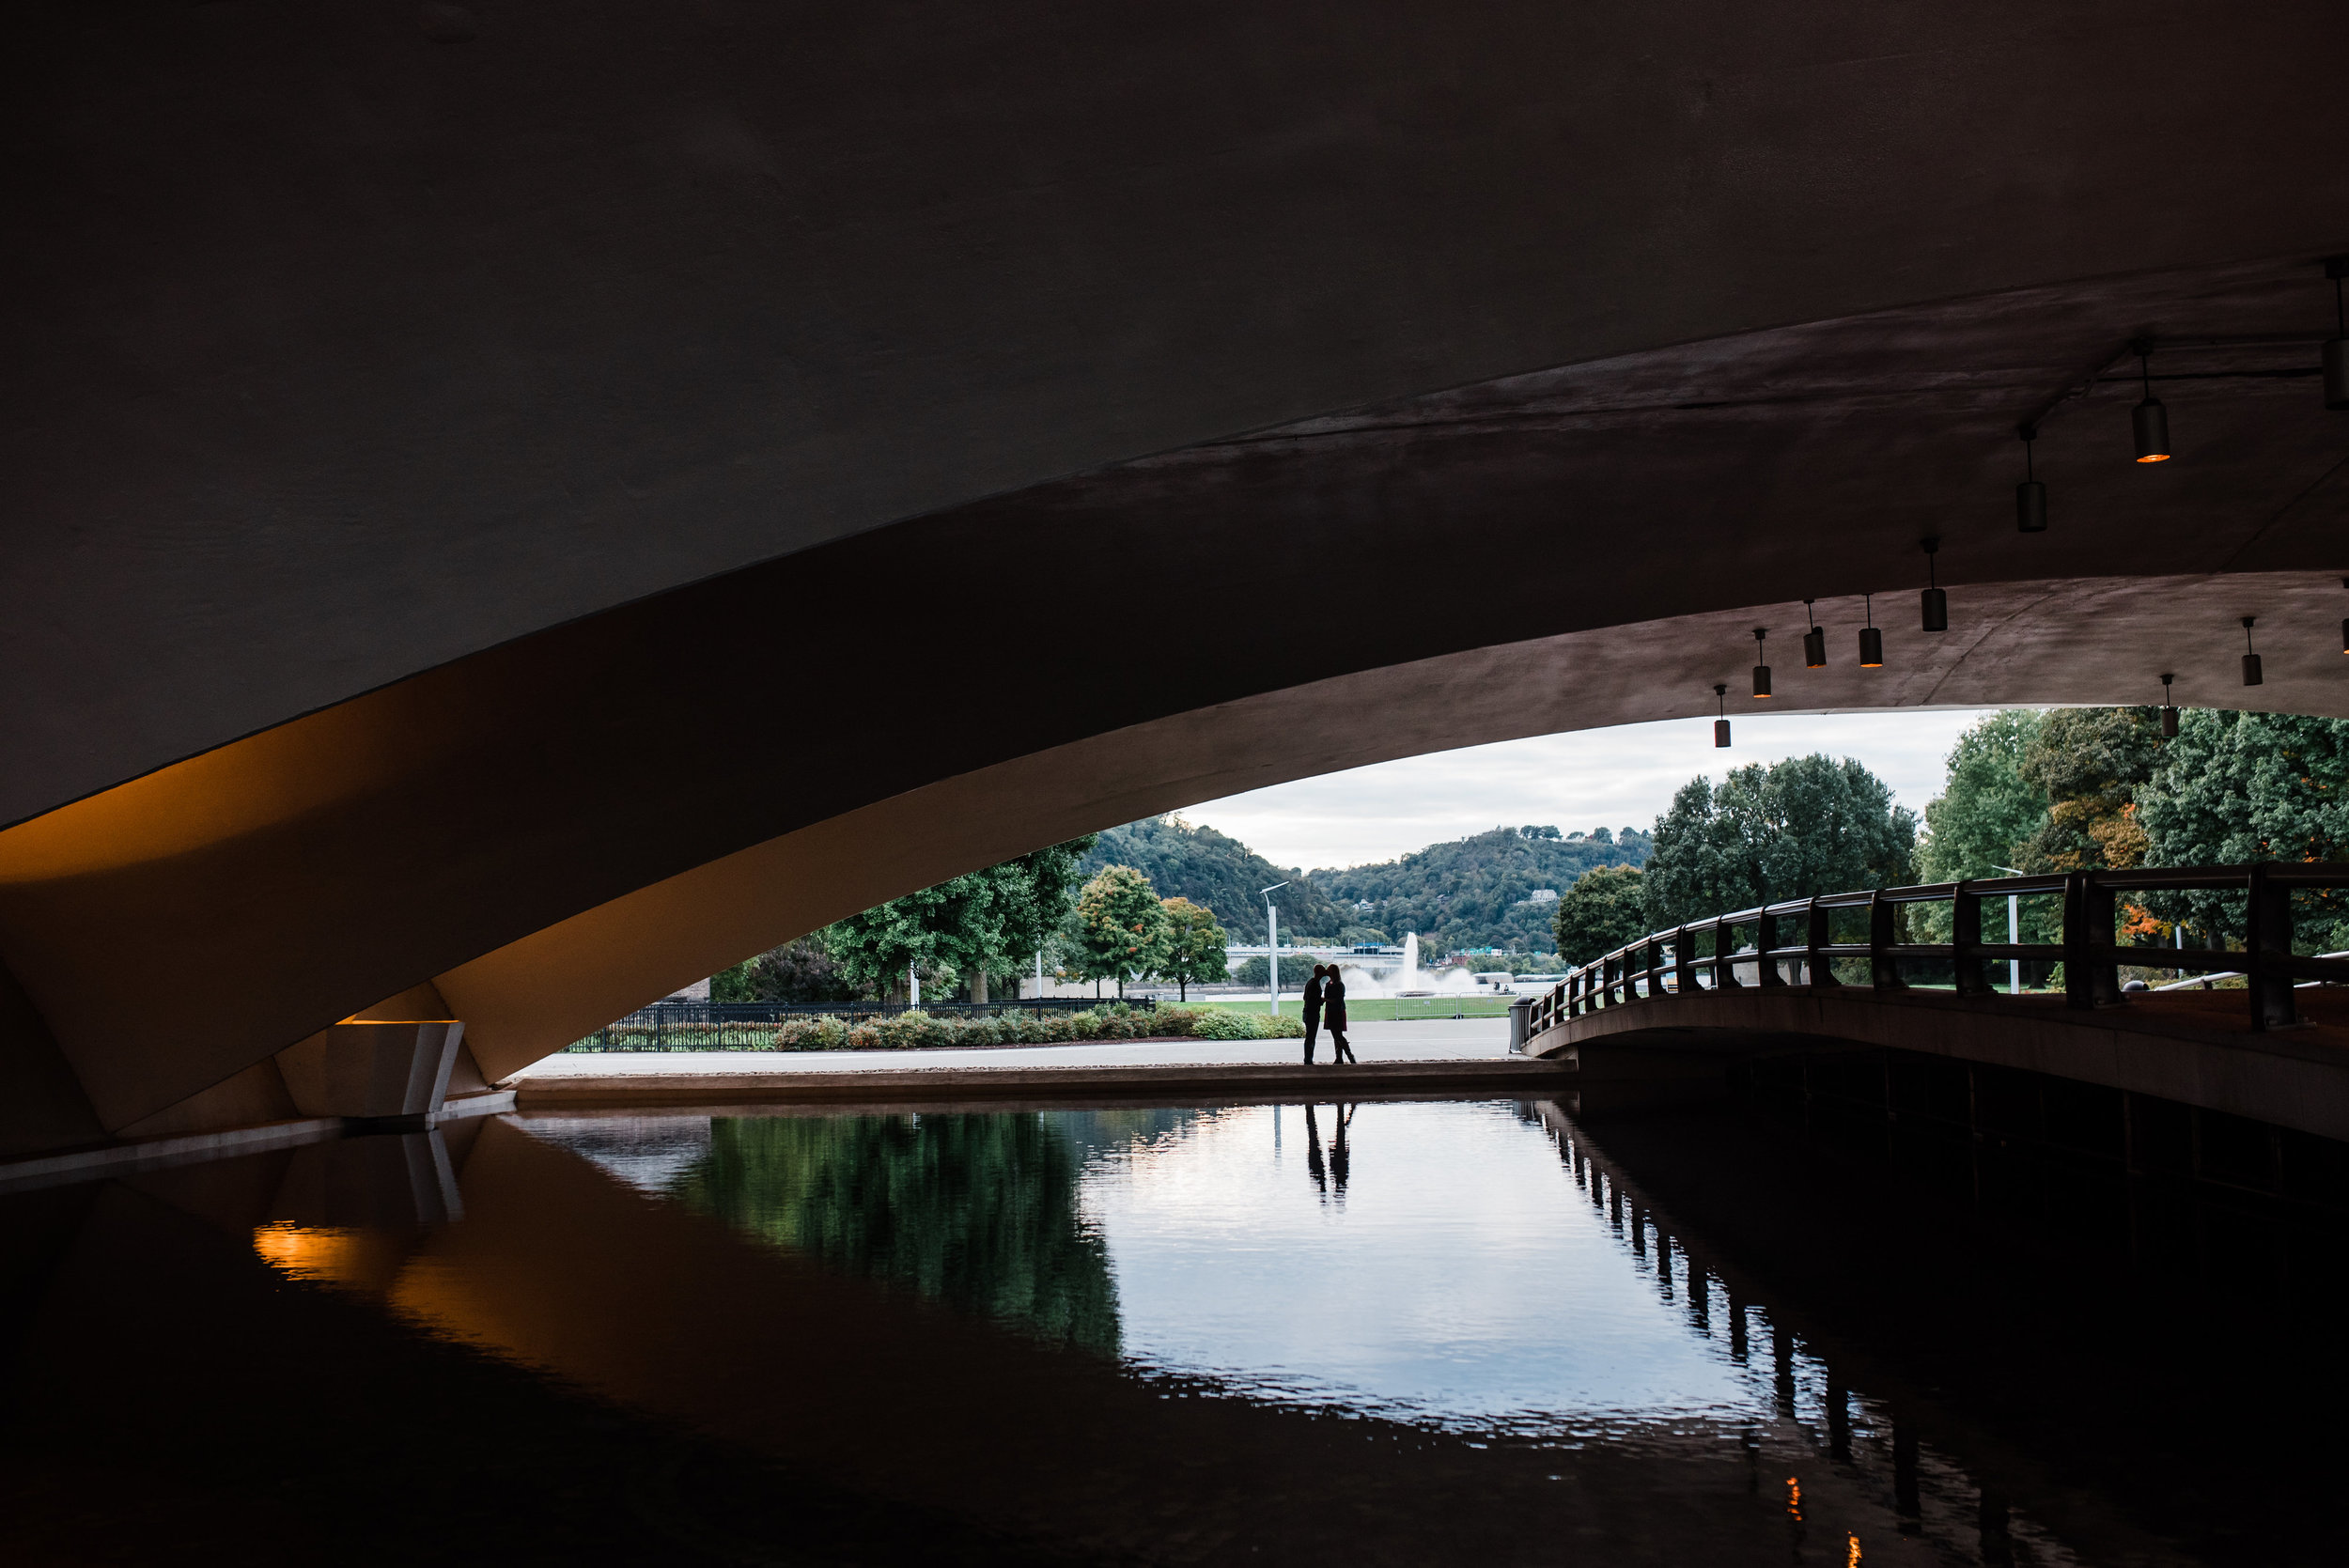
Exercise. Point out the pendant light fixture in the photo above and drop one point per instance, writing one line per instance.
(1761, 670)
(2250, 659)
(2337, 348)
(1721, 726)
(1871, 640)
(1936, 603)
(2030, 496)
(1814, 641)
(2150, 420)
(2168, 710)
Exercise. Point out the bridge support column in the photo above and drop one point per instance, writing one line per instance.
(373, 1070)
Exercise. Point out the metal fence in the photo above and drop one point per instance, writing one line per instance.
(750, 1025)
(1794, 944)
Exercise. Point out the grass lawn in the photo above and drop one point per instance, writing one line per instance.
(1377, 1009)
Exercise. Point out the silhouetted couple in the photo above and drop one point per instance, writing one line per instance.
(1325, 1008)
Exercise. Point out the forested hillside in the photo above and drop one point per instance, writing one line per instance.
(1220, 872)
(1467, 893)
(1472, 892)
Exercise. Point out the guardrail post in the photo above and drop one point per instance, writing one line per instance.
(1766, 938)
(1817, 969)
(1974, 973)
(2268, 937)
(1683, 962)
(1724, 977)
(2089, 979)
(1884, 970)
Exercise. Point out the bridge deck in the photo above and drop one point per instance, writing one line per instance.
(2197, 1047)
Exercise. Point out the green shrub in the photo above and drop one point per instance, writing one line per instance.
(918, 1031)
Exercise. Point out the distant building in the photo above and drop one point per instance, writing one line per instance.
(1541, 896)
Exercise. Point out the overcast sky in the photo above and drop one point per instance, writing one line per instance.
(1591, 779)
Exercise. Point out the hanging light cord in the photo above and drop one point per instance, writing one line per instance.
(1870, 600)
(1807, 616)
(2145, 369)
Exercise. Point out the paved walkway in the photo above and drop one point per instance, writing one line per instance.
(1432, 1040)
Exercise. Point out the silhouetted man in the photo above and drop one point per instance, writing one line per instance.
(1333, 1018)
(1312, 1010)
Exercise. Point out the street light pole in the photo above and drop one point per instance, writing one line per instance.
(2013, 936)
(1272, 949)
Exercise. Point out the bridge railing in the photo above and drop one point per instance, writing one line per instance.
(1794, 942)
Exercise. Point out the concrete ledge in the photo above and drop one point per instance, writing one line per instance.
(2194, 1047)
(1053, 1085)
(107, 1159)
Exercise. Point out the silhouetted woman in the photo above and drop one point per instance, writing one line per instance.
(1312, 1009)
(1333, 1017)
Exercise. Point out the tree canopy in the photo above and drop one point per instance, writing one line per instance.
(1600, 912)
(1194, 945)
(2088, 763)
(1121, 926)
(982, 922)
(2237, 788)
(1987, 809)
(1798, 827)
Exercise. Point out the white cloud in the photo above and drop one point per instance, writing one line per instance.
(1588, 779)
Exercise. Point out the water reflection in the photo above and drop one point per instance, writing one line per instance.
(977, 1211)
(1130, 1336)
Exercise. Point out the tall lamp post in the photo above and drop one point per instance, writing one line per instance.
(1272, 949)
(2014, 935)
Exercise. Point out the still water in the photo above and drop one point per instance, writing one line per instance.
(1386, 1332)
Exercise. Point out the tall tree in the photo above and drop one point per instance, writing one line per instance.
(1987, 808)
(1121, 927)
(980, 923)
(1798, 827)
(2089, 762)
(2237, 788)
(1599, 913)
(1194, 946)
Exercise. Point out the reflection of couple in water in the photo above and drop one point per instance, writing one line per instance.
(1336, 1169)
(1325, 1008)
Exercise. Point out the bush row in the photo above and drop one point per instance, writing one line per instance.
(918, 1031)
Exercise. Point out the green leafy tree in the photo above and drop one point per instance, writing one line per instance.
(981, 924)
(1194, 946)
(733, 985)
(1987, 809)
(2088, 763)
(1599, 913)
(802, 970)
(1121, 928)
(1803, 826)
(2238, 787)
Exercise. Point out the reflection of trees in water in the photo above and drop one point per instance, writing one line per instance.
(979, 1212)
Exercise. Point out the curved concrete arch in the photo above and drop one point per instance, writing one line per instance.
(345, 348)
(427, 448)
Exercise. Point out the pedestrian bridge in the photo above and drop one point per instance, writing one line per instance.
(2257, 1031)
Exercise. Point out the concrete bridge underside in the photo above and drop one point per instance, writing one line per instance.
(510, 511)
